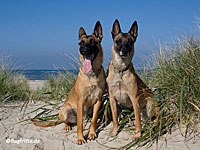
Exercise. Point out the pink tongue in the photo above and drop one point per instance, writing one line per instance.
(87, 66)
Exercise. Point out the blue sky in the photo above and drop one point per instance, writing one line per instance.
(37, 33)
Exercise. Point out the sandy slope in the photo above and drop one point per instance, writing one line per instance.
(54, 138)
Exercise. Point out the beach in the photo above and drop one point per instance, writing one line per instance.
(26, 136)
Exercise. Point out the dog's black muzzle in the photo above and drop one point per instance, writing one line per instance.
(86, 51)
(124, 52)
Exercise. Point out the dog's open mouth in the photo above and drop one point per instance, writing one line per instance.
(87, 66)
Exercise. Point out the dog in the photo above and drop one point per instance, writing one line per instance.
(124, 85)
(88, 88)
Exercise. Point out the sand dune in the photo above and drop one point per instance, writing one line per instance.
(52, 138)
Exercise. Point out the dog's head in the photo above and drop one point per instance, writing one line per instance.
(90, 51)
(124, 42)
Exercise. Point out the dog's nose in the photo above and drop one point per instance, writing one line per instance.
(86, 50)
(124, 50)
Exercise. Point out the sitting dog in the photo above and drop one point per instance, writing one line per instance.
(124, 85)
(88, 88)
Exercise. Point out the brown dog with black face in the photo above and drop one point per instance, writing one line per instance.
(125, 86)
(88, 88)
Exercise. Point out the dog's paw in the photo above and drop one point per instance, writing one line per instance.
(114, 132)
(81, 141)
(67, 127)
(92, 135)
(137, 135)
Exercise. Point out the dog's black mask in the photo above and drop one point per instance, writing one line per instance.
(124, 42)
(124, 45)
(89, 48)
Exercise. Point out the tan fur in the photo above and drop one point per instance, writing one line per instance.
(46, 123)
(86, 92)
(126, 88)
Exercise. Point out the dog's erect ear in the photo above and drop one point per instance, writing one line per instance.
(134, 30)
(116, 29)
(98, 31)
(81, 32)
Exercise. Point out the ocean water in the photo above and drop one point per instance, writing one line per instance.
(42, 74)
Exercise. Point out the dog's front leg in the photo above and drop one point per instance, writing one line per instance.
(113, 105)
(92, 133)
(80, 139)
(135, 102)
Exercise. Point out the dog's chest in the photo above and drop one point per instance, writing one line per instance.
(93, 93)
(120, 87)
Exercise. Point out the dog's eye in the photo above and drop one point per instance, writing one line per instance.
(129, 42)
(119, 41)
(81, 43)
(92, 41)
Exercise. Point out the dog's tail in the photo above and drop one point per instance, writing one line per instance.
(156, 108)
(46, 123)
(151, 104)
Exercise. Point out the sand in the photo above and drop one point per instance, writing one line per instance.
(36, 84)
(54, 138)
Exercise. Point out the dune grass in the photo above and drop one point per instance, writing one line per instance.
(177, 78)
(13, 85)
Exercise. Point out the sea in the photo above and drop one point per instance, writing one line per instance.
(42, 74)
(45, 74)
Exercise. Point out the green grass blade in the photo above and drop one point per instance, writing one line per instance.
(181, 105)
